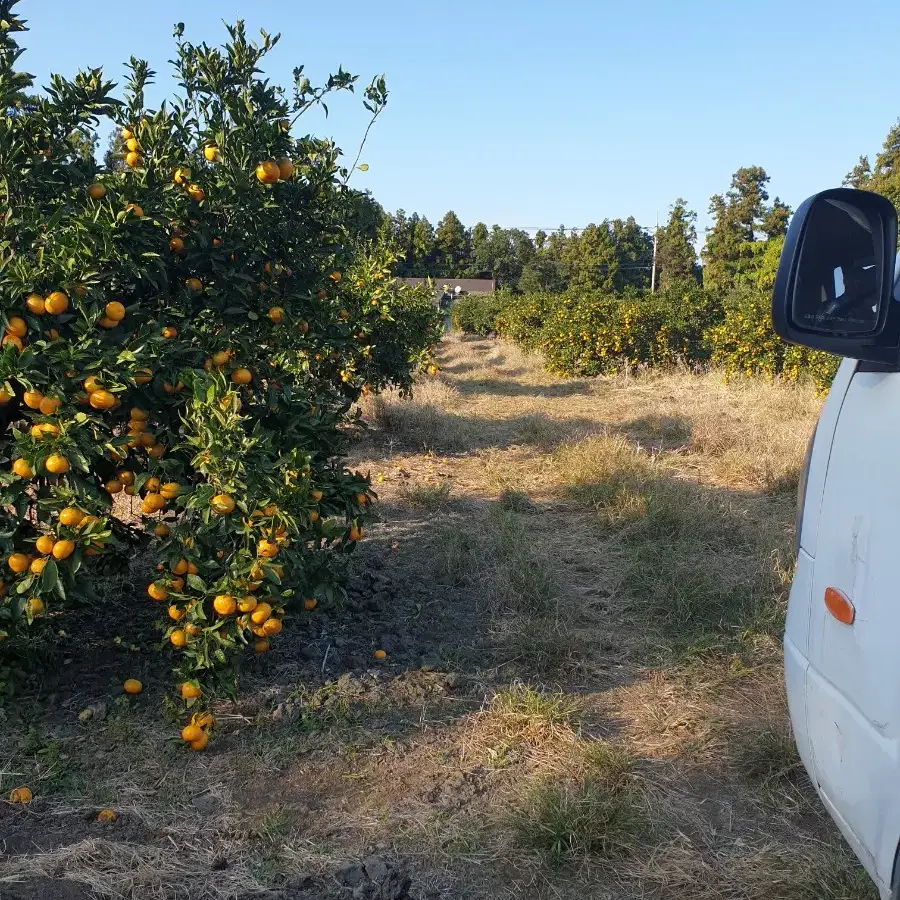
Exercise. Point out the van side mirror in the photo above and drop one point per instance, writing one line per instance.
(834, 289)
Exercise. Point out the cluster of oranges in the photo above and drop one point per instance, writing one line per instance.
(134, 152)
(141, 436)
(253, 618)
(196, 733)
(54, 304)
(271, 171)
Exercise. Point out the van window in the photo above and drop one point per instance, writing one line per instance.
(837, 283)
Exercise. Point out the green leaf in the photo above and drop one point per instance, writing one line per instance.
(55, 219)
(197, 583)
(50, 576)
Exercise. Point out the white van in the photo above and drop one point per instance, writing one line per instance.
(838, 290)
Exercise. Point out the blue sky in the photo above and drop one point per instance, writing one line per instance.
(540, 114)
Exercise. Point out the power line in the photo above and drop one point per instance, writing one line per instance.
(564, 228)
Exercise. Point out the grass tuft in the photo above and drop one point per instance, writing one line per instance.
(428, 496)
(524, 580)
(596, 814)
(452, 553)
(516, 501)
(766, 753)
(521, 707)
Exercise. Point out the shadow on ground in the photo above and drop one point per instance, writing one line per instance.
(499, 388)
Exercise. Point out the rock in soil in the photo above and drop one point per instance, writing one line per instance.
(376, 878)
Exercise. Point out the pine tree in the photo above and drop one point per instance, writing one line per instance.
(676, 258)
(742, 222)
(451, 246)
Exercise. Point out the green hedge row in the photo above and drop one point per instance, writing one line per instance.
(476, 314)
(590, 335)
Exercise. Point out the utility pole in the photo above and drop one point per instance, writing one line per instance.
(653, 267)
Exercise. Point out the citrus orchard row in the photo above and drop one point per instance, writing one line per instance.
(591, 335)
(185, 335)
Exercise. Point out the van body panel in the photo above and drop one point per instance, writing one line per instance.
(853, 678)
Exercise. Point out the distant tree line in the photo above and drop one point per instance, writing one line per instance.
(614, 256)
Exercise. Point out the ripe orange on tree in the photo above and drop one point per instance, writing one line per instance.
(102, 400)
(56, 303)
(267, 549)
(21, 468)
(32, 399)
(63, 549)
(71, 515)
(16, 325)
(268, 172)
(56, 464)
(191, 733)
(225, 604)
(115, 311)
(178, 638)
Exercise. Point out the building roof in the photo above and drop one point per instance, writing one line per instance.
(466, 285)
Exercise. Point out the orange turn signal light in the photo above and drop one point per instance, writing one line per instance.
(839, 605)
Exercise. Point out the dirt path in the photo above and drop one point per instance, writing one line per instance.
(579, 586)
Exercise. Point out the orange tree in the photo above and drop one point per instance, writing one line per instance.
(183, 339)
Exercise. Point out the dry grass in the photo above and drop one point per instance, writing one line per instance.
(683, 546)
(594, 814)
(604, 565)
(429, 496)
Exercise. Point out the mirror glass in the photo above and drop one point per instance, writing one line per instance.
(837, 288)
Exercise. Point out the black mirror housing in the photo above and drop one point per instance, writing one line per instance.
(834, 289)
